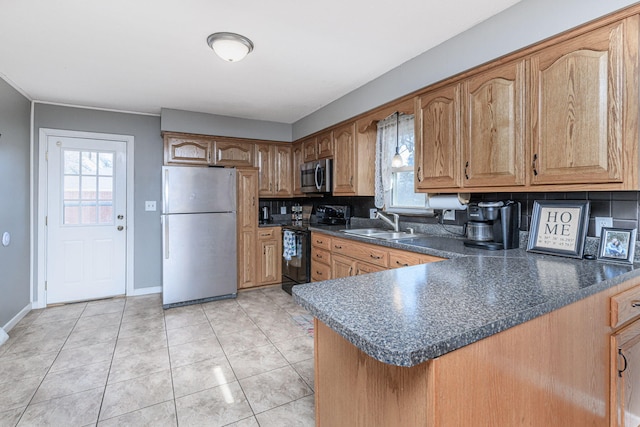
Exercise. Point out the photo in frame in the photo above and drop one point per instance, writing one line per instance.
(559, 227)
(617, 245)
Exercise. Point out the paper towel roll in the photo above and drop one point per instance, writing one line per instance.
(447, 201)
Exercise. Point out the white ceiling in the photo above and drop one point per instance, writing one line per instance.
(143, 55)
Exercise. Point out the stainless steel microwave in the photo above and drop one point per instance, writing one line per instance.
(315, 177)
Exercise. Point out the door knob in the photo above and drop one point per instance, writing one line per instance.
(120, 228)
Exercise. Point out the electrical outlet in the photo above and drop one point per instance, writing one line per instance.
(603, 221)
(150, 205)
(449, 215)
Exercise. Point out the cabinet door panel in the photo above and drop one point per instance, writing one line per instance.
(297, 157)
(190, 151)
(233, 153)
(437, 139)
(577, 109)
(247, 259)
(344, 162)
(310, 149)
(342, 266)
(282, 171)
(493, 127)
(325, 145)
(264, 162)
(625, 376)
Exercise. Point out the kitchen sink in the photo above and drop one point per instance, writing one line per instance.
(395, 235)
(379, 233)
(364, 231)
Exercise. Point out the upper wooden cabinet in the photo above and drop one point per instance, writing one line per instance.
(577, 108)
(233, 153)
(554, 117)
(297, 158)
(493, 127)
(186, 150)
(437, 161)
(344, 161)
(353, 160)
(325, 145)
(318, 147)
(274, 165)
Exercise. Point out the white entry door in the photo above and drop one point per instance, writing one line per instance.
(86, 224)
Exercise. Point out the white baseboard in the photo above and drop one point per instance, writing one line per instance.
(18, 317)
(146, 291)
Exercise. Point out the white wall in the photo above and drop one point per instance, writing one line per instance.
(521, 25)
(14, 202)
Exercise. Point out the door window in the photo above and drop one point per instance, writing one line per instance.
(88, 187)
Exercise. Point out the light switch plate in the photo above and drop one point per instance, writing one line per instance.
(150, 205)
(603, 221)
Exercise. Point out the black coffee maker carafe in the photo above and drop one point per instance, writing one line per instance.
(493, 225)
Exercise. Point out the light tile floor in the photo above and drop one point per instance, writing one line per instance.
(126, 361)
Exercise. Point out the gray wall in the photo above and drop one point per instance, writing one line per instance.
(211, 124)
(148, 154)
(14, 201)
(523, 24)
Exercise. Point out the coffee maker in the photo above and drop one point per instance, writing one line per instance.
(493, 225)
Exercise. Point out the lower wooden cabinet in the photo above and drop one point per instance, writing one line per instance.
(270, 254)
(334, 257)
(625, 359)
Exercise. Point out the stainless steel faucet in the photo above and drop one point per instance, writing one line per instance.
(394, 223)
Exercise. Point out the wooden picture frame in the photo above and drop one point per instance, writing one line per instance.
(559, 227)
(617, 245)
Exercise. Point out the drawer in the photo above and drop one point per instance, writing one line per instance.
(268, 232)
(321, 240)
(361, 251)
(321, 255)
(625, 306)
(365, 267)
(403, 259)
(320, 272)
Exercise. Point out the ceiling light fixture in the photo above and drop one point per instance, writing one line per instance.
(231, 47)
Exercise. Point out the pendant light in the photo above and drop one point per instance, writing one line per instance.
(231, 47)
(397, 162)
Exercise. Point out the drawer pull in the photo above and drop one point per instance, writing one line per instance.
(375, 257)
(319, 273)
(319, 242)
(404, 264)
(635, 303)
(337, 247)
(620, 371)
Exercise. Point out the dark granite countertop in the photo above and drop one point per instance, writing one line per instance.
(409, 315)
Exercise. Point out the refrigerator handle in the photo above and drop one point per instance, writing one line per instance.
(166, 191)
(165, 235)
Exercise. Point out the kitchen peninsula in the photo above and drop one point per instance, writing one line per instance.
(487, 338)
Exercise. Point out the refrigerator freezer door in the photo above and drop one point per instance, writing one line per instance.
(199, 256)
(194, 190)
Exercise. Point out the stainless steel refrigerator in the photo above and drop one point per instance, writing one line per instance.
(198, 234)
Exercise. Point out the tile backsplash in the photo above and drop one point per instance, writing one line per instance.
(622, 206)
